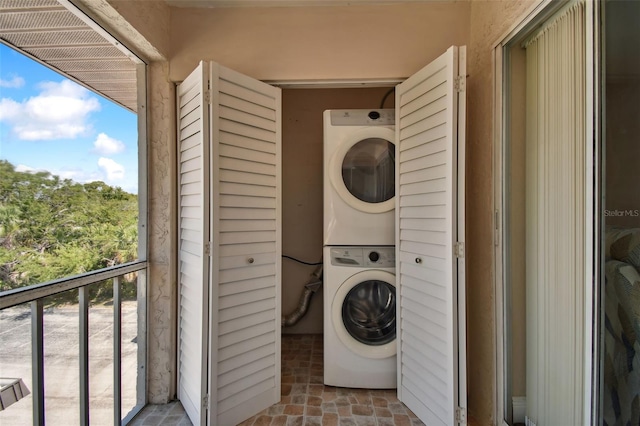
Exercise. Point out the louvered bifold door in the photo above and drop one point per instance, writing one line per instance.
(430, 230)
(246, 153)
(193, 235)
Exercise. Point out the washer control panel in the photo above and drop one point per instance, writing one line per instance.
(375, 257)
(363, 117)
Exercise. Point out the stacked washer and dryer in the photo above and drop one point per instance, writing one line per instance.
(359, 253)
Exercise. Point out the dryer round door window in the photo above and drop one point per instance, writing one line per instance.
(368, 170)
(363, 313)
(362, 170)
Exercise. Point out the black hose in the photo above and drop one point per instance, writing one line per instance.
(386, 95)
(301, 261)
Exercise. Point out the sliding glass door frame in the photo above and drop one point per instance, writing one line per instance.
(593, 321)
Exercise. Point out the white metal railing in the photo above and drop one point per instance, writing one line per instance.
(36, 294)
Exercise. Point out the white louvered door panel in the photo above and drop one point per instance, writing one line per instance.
(429, 222)
(193, 230)
(246, 154)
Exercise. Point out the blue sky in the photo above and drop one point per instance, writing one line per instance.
(48, 122)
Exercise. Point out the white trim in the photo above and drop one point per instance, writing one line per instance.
(461, 281)
(538, 12)
(143, 240)
(497, 222)
(335, 83)
(533, 13)
(519, 404)
(592, 228)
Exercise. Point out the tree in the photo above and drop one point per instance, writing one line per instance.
(53, 228)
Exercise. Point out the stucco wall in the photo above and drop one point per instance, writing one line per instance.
(489, 21)
(162, 288)
(150, 17)
(140, 25)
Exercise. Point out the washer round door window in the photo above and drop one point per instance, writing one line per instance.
(369, 312)
(364, 313)
(362, 170)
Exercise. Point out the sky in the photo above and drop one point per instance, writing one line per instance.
(48, 122)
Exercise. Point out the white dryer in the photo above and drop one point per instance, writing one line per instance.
(359, 177)
(359, 317)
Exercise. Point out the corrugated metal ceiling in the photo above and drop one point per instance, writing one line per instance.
(54, 35)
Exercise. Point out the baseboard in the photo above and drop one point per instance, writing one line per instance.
(519, 404)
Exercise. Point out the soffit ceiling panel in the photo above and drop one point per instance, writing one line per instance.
(55, 36)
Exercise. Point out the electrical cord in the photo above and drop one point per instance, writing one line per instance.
(301, 261)
(386, 95)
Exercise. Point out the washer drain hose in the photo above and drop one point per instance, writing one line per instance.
(312, 286)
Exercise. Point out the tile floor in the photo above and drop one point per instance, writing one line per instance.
(305, 399)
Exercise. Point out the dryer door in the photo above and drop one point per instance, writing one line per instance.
(363, 313)
(362, 170)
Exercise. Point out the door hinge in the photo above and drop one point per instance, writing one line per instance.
(461, 415)
(458, 250)
(461, 83)
(207, 248)
(207, 96)
(205, 402)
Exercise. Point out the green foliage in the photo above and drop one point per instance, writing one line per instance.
(53, 228)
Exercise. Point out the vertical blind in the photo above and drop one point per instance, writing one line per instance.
(555, 226)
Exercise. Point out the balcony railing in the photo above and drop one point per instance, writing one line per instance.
(37, 295)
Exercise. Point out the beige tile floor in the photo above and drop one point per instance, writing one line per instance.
(305, 399)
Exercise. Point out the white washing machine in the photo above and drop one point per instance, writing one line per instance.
(359, 177)
(359, 317)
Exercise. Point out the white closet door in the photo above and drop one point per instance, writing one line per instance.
(430, 231)
(245, 312)
(193, 230)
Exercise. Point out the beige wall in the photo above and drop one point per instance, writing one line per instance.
(337, 42)
(489, 20)
(302, 207)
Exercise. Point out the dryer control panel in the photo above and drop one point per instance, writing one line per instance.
(363, 117)
(374, 257)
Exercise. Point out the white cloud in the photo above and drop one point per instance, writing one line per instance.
(113, 170)
(9, 109)
(60, 111)
(106, 145)
(15, 83)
